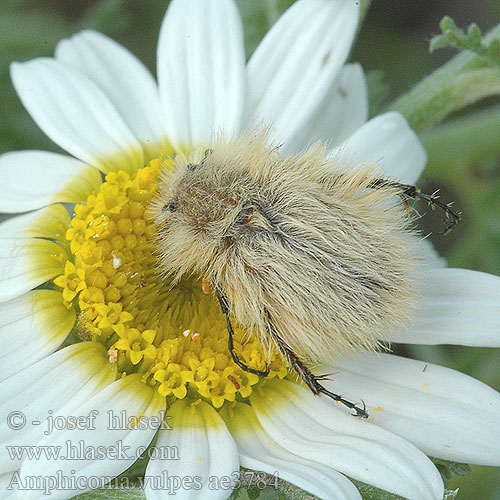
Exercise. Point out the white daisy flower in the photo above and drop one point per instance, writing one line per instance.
(134, 348)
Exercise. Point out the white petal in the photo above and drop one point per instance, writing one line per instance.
(445, 413)
(49, 222)
(459, 306)
(112, 433)
(343, 110)
(207, 453)
(126, 82)
(428, 255)
(31, 327)
(259, 452)
(33, 179)
(40, 391)
(389, 142)
(76, 114)
(27, 263)
(296, 63)
(201, 70)
(315, 429)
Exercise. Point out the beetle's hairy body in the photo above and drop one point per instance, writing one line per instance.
(302, 248)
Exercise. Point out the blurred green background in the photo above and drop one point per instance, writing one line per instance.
(464, 152)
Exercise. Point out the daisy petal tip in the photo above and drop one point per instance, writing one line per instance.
(16, 70)
(304, 424)
(388, 142)
(458, 307)
(457, 425)
(258, 451)
(206, 449)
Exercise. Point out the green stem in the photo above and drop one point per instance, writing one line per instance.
(464, 80)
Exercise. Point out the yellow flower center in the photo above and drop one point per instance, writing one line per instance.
(175, 336)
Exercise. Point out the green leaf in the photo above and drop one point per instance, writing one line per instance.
(464, 80)
(448, 469)
(447, 24)
(450, 494)
(474, 36)
(453, 36)
(371, 493)
(439, 95)
(111, 494)
(253, 493)
(460, 469)
(441, 41)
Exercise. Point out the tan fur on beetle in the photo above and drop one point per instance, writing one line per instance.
(299, 245)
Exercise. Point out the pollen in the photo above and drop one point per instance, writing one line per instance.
(174, 335)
